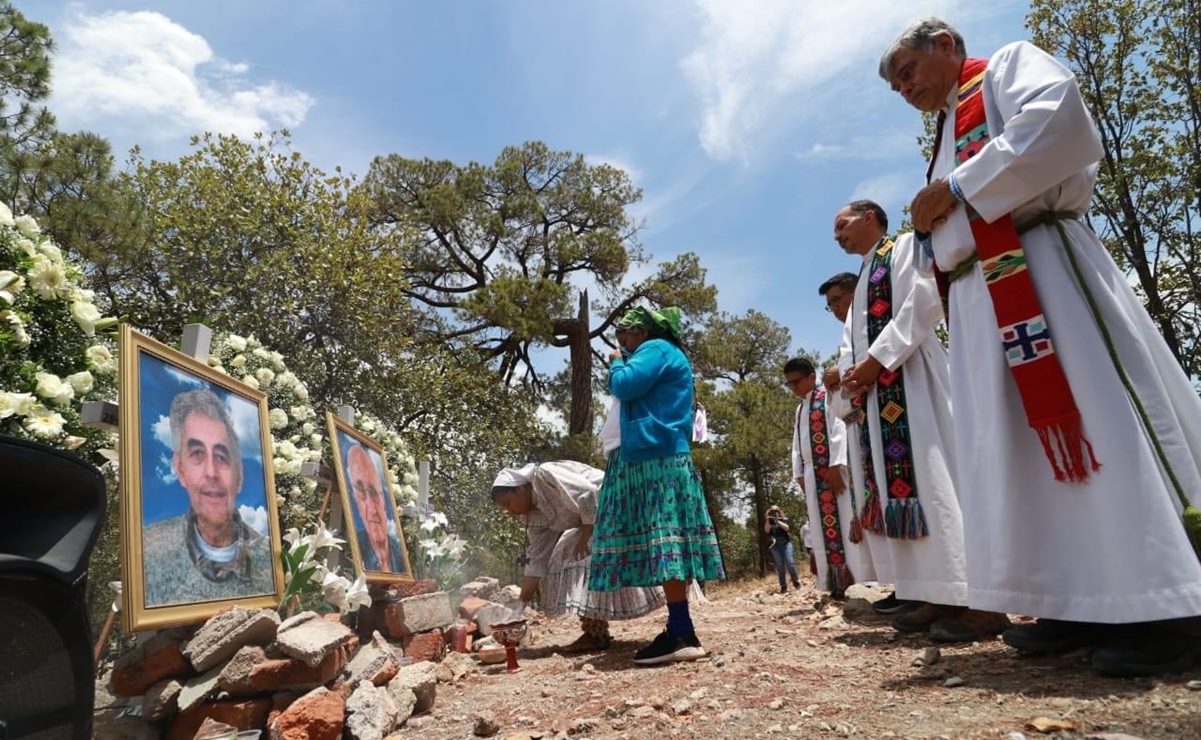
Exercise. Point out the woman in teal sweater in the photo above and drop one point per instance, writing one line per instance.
(652, 526)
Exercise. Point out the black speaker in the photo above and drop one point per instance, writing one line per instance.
(53, 508)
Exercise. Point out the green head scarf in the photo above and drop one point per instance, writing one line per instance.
(657, 323)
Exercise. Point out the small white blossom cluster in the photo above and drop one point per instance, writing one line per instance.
(444, 552)
(52, 358)
(296, 431)
(402, 468)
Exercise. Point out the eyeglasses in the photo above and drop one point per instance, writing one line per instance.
(792, 383)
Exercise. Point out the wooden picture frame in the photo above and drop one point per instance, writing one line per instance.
(195, 455)
(357, 460)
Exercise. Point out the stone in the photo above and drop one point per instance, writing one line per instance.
(490, 614)
(835, 622)
(290, 673)
(683, 706)
(420, 678)
(485, 725)
(1193, 685)
(459, 666)
(483, 587)
(643, 712)
(426, 646)
(370, 713)
(245, 714)
(318, 715)
(509, 595)
(374, 662)
(471, 606)
(952, 682)
(235, 676)
(150, 662)
(404, 700)
(419, 614)
(776, 703)
(211, 728)
(226, 632)
(930, 656)
(309, 638)
(197, 689)
(161, 700)
(870, 594)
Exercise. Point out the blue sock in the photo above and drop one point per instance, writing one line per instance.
(679, 623)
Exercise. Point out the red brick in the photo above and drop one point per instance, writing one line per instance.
(426, 646)
(471, 605)
(244, 715)
(286, 673)
(318, 715)
(413, 588)
(156, 659)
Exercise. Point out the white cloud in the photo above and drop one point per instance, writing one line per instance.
(144, 69)
(185, 378)
(761, 61)
(162, 430)
(886, 146)
(255, 518)
(165, 470)
(892, 190)
(245, 418)
(634, 173)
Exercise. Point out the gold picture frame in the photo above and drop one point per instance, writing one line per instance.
(195, 453)
(369, 463)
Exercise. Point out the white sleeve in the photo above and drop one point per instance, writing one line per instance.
(916, 310)
(542, 544)
(1047, 133)
(836, 429)
(798, 462)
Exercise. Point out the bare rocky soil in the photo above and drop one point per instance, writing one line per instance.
(793, 666)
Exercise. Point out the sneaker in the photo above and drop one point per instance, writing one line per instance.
(920, 619)
(668, 648)
(892, 605)
(1052, 636)
(1148, 654)
(969, 626)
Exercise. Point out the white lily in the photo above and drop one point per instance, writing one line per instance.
(358, 595)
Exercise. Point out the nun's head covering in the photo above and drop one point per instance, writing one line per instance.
(510, 478)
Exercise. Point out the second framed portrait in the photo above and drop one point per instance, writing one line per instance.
(372, 519)
(199, 528)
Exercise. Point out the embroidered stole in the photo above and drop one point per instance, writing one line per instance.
(1050, 408)
(839, 573)
(903, 518)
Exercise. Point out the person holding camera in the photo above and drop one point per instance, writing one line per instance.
(775, 524)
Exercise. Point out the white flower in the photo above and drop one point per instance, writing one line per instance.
(277, 418)
(288, 379)
(292, 536)
(73, 443)
(238, 362)
(237, 344)
(439, 519)
(17, 326)
(429, 525)
(308, 427)
(45, 423)
(27, 226)
(16, 404)
(51, 250)
(277, 360)
(358, 595)
(47, 278)
(250, 381)
(6, 216)
(10, 285)
(322, 537)
(28, 248)
(301, 392)
(315, 440)
(262, 354)
(333, 590)
(278, 463)
(86, 315)
(81, 382)
(53, 389)
(101, 359)
(265, 377)
(286, 450)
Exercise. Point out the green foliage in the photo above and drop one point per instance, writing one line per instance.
(1138, 63)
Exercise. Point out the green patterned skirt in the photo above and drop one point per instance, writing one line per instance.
(652, 526)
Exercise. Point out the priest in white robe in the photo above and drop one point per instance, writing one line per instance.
(842, 555)
(914, 524)
(1085, 533)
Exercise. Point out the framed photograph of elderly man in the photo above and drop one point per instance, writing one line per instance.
(369, 502)
(199, 530)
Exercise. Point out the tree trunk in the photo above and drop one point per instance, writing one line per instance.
(760, 513)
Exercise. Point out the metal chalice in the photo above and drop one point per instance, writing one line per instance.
(509, 634)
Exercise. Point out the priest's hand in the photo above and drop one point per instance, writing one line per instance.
(831, 379)
(835, 480)
(932, 205)
(861, 376)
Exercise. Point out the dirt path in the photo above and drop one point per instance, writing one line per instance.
(781, 667)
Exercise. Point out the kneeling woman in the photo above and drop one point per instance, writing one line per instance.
(652, 525)
(557, 503)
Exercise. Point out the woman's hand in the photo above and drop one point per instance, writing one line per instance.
(583, 548)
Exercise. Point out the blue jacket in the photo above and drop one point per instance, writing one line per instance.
(654, 386)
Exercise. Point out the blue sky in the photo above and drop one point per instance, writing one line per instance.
(746, 124)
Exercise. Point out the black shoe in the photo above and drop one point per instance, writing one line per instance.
(796, 584)
(1148, 654)
(1050, 636)
(892, 605)
(668, 648)
(783, 589)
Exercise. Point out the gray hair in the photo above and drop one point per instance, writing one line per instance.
(206, 403)
(919, 35)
